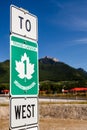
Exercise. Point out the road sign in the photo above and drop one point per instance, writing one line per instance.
(23, 23)
(23, 70)
(23, 112)
(24, 67)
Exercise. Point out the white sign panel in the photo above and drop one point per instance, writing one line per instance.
(23, 23)
(23, 112)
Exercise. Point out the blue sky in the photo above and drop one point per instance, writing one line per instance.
(62, 29)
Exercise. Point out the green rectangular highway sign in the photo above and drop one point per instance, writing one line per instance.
(23, 66)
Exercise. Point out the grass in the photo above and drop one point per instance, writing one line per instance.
(4, 104)
(65, 95)
(51, 102)
(76, 102)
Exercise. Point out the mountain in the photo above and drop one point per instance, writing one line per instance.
(54, 70)
(49, 69)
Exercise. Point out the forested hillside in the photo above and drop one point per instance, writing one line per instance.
(58, 71)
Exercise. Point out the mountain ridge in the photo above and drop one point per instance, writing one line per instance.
(57, 71)
(49, 69)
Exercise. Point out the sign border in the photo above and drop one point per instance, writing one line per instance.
(32, 127)
(27, 128)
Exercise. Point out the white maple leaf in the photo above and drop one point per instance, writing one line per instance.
(24, 67)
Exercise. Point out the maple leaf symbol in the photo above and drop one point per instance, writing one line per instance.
(24, 67)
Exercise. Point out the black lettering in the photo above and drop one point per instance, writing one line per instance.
(28, 25)
(33, 105)
(17, 112)
(21, 18)
(29, 112)
(23, 111)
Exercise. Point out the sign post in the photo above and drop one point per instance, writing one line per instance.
(23, 70)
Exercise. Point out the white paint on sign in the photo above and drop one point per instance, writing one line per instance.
(23, 112)
(33, 128)
(23, 23)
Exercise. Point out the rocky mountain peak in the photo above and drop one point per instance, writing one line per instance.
(48, 59)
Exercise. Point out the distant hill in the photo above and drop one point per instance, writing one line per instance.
(49, 69)
(54, 70)
(4, 71)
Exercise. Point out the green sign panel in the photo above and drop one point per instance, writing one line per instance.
(23, 67)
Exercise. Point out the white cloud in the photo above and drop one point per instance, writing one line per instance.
(82, 41)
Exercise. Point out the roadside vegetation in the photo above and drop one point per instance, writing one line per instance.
(56, 89)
